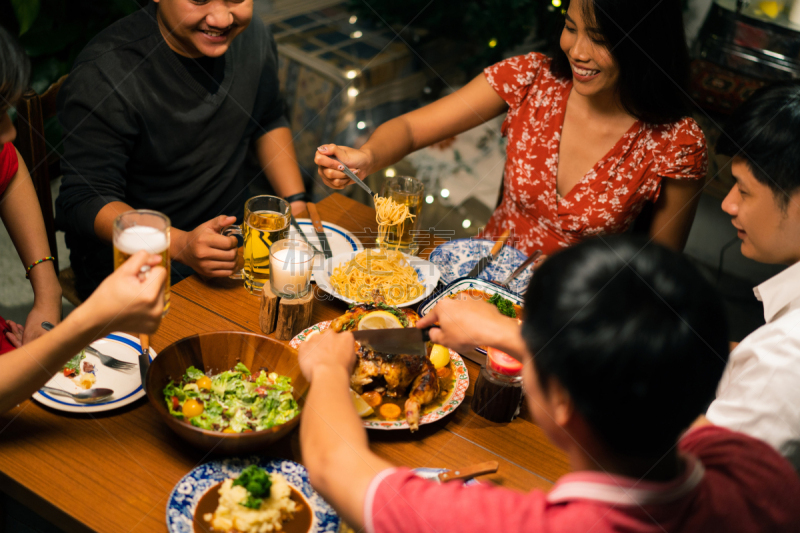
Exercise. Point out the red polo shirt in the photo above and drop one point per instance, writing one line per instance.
(732, 483)
(8, 165)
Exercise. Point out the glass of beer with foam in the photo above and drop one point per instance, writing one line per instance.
(143, 230)
(266, 221)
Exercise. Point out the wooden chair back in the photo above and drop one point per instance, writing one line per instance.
(32, 111)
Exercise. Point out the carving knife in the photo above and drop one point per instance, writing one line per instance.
(318, 227)
(483, 262)
(410, 341)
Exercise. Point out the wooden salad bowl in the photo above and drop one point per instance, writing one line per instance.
(214, 353)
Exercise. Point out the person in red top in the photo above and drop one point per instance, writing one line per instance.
(594, 133)
(131, 299)
(19, 207)
(630, 343)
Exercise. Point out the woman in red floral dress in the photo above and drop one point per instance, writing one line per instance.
(593, 133)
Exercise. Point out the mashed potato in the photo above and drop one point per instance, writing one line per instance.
(269, 517)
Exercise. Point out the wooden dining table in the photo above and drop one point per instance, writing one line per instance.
(114, 471)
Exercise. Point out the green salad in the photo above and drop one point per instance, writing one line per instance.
(234, 401)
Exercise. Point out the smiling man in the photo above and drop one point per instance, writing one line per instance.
(160, 112)
(759, 393)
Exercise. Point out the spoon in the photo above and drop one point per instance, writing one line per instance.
(87, 396)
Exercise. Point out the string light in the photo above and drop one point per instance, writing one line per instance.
(445, 193)
(556, 3)
(429, 199)
(493, 42)
(356, 34)
(351, 74)
(467, 223)
(353, 19)
(390, 172)
(361, 125)
(352, 92)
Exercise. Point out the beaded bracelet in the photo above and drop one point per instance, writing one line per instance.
(28, 270)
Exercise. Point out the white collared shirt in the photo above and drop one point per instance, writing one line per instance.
(759, 393)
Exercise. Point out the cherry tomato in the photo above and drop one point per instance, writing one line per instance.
(228, 430)
(192, 408)
(373, 398)
(204, 383)
(175, 402)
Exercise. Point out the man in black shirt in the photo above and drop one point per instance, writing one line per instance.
(159, 113)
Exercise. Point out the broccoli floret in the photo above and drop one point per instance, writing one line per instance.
(257, 482)
(505, 307)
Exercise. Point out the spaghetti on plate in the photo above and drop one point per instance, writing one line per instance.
(383, 269)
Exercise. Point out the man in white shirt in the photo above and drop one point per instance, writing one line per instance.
(759, 393)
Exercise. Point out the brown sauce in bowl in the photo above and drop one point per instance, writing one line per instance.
(301, 523)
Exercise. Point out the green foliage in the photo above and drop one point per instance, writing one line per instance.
(477, 24)
(54, 32)
(257, 482)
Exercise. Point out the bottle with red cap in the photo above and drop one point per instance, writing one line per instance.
(498, 390)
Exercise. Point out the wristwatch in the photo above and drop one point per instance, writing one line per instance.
(299, 197)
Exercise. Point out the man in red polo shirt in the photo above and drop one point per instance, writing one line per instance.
(629, 345)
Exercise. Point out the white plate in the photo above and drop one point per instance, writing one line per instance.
(340, 239)
(127, 385)
(427, 273)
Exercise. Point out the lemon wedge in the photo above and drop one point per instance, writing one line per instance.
(771, 9)
(361, 406)
(379, 320)
(440, 356)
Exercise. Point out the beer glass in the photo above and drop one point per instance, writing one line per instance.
(266, 221)
(143, 230)
(408, 191)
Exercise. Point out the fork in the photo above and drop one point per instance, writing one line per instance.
(107, 360)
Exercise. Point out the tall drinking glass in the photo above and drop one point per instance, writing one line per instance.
(407, 191)
(143, 230)
(266, 221)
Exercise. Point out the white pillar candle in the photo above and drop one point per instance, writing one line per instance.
(794, 14)
(290, 271)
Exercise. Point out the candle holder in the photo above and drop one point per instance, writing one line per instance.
(290, 264)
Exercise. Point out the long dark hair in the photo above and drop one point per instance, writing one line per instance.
(15, 69)
(648, 41)
(633, 331)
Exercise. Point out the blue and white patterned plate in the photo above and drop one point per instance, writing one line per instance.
(427, 273)
(187, 493)
(456, 258)
(464, 284)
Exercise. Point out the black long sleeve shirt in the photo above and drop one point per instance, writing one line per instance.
(139, 128)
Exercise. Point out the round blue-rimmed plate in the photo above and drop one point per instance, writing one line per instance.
(339, 239)
(456, 258)
(187, 493)
(127, 385)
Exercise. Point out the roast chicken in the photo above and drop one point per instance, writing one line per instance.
(402, 373)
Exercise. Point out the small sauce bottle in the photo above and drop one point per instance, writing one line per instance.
(498, 390)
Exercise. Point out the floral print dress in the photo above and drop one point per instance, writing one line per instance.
(610, 196)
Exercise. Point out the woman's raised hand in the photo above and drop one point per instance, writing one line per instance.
(331, 170)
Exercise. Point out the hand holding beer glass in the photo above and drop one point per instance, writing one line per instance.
(266, 221)
(143, 230)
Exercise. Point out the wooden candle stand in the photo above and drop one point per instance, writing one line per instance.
(285, 317)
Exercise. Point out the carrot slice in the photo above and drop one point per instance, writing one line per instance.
(390, 411)
(443, 372)
(373, 398)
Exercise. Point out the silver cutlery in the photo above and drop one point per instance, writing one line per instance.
(107, 360)
(87, 396)
(303, 235)
(531, 258)
(316, 221)
(350, 174)
(483, 262)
